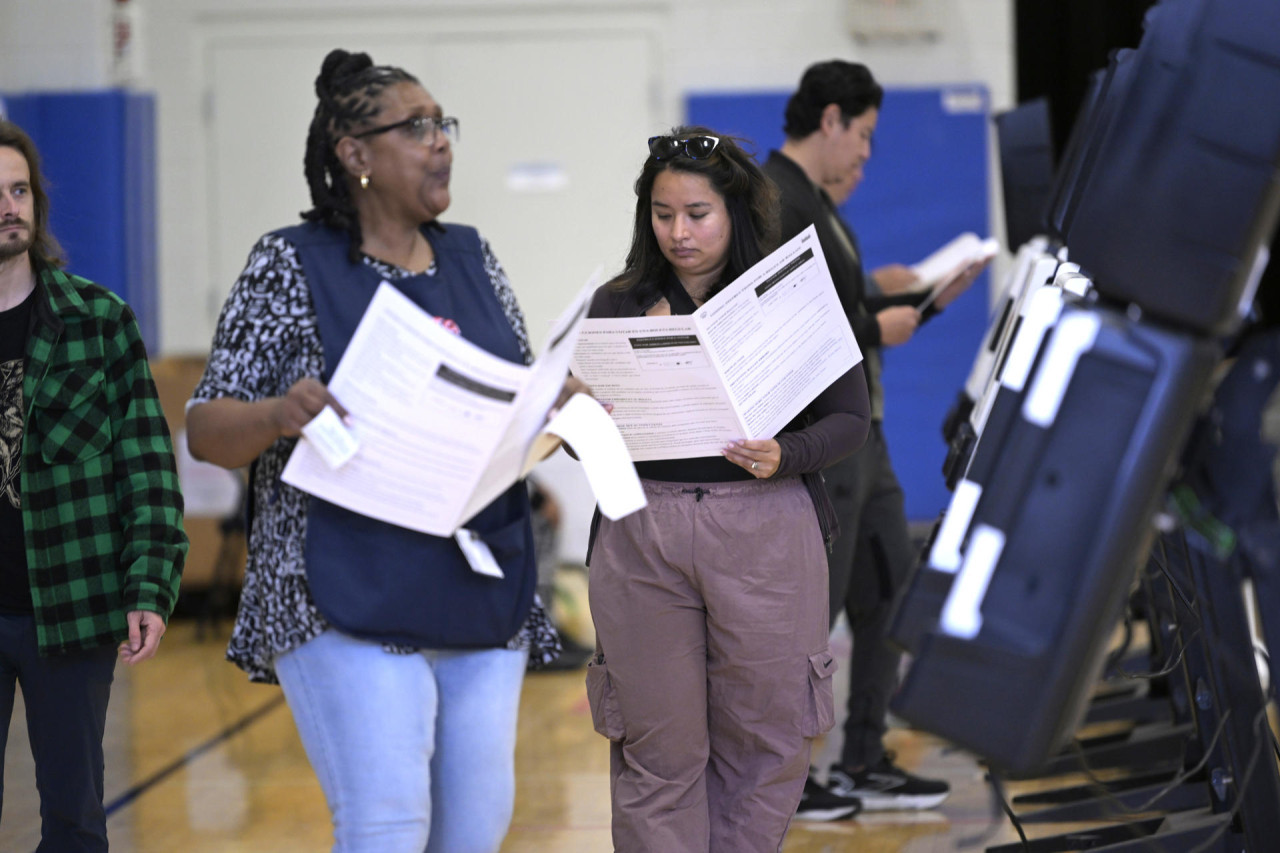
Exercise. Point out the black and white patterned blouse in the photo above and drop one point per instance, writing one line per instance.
(267, 339)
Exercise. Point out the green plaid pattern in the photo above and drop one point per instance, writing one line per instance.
(101, 505)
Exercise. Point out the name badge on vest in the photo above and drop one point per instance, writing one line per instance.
(478, 555)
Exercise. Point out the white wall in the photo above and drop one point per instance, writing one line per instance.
(699, 45)
(55, 44)
(692, 46)
(744, 44)
(563, 86)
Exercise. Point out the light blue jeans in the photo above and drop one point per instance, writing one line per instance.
(414, 752)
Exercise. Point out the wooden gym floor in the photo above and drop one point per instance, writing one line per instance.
(200, 760)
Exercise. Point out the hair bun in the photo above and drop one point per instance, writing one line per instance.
(339, 65)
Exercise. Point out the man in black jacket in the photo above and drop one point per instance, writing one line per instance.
(830, 121)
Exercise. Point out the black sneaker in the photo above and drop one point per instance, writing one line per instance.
(886, 786)
(817, 803)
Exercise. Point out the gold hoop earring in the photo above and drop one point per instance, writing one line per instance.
(364, 181)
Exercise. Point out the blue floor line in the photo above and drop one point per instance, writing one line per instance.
(191, 755)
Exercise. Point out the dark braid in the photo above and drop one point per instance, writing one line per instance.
(348, 89)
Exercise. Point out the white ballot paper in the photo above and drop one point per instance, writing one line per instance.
(442, 426)
(940, 269)
(741, 366)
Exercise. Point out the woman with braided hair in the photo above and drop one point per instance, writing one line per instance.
(401, 665)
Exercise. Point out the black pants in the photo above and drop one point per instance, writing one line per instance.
(66, 703)
(869, 561)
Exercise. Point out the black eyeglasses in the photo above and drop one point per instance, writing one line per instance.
(693, 147)
(420, 128)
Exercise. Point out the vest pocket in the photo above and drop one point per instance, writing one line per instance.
(70, 416)
(606, 716)
(507, 544)
(820, 713)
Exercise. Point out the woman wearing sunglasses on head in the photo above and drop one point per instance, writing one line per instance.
(401, 665)
(712, 672)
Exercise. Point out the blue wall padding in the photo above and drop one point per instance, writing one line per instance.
(926, 182)
(98, 153)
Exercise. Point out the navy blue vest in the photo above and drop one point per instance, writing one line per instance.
(387, 583)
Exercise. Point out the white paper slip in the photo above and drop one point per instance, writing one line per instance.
(587, 428)
(330, 437)
(477, 553)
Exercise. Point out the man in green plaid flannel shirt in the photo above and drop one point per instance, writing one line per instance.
(91, 539)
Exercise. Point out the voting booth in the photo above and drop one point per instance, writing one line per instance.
(1091, 453)
(1079, 462)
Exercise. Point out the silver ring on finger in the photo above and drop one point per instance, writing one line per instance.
(755, 465)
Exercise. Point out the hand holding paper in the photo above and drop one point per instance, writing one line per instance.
(330, 437)
(443, 427)
(950, 270)
(950, 260)
(896, 278)
(304, 400)
(741, 366)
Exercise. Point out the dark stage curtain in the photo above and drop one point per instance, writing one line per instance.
(1061, 42)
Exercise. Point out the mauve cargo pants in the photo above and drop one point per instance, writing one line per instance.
(713, 673)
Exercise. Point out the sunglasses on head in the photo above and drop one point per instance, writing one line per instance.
(693, 147)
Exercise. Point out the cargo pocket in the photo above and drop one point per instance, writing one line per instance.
(820, 713)
(605, 714)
